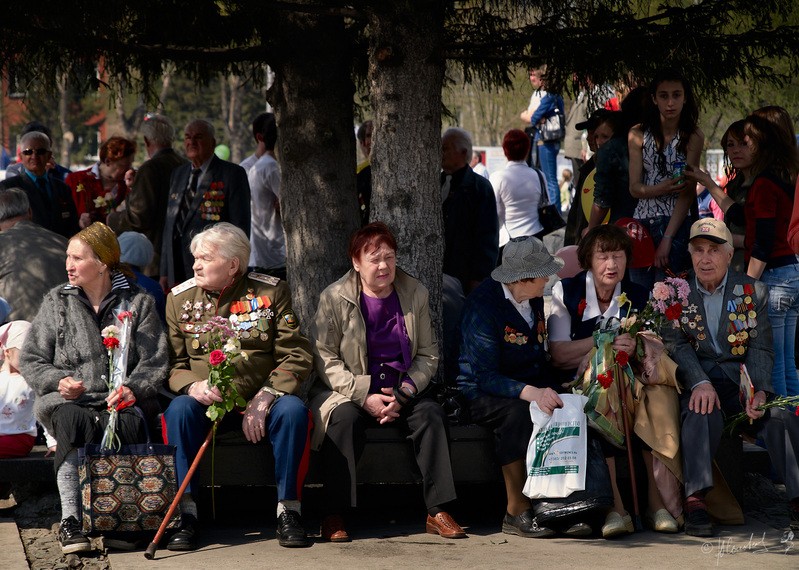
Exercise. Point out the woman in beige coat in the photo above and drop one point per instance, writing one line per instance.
(375, 353)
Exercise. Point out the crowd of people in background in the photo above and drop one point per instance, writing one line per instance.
(187, 240)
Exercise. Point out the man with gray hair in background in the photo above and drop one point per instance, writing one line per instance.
(32, 259)
(205, 191)
(144, 208)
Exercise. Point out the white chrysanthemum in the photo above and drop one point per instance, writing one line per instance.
(110, 330)
(232, 346)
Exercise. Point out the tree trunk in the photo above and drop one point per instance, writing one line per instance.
(406, 73)
(166, 79)
(63, 112)
(235, 130)
(313, 100)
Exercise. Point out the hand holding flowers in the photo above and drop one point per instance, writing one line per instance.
(223, 346)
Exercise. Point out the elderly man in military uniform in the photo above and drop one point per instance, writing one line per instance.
(723, 341)
(278, 360)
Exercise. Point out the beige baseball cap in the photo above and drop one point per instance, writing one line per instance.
(711, 229)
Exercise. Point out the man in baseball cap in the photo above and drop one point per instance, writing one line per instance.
(724, 341)
(712, 230)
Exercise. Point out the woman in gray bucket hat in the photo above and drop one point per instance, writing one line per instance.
(504, 365)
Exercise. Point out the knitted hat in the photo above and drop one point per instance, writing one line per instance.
(526, 258)
(135, 249)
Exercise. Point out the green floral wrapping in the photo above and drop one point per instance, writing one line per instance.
(600, 385)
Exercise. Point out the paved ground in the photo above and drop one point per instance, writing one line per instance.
(389, 533)
(404, 546)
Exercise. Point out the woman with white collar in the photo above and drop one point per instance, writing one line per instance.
(578, 305)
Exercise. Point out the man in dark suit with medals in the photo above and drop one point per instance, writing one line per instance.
(724, 340)
(205, 191)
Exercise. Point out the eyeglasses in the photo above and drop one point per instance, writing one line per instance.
(38, 151)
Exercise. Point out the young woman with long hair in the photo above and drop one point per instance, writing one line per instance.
(660, 147)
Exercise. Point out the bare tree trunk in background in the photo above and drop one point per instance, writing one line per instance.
(166, 79)
(121, 126)
(313, 100)
(67, 138)
(235, 134)
(406, 74)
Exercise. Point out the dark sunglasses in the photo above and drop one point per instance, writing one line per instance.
(38, 151)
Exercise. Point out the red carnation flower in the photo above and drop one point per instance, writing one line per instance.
(605, 380)
(622, 358)
(111, 342)
(124, 315)
(216, 357)
(581, 307)
(673, 313)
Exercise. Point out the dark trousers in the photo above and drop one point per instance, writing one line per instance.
(345, 438)
(74, 426)
(700, 436)
(288, 426)
(510, 421)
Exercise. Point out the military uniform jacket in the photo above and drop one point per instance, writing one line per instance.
(279, 357)
(743, 333)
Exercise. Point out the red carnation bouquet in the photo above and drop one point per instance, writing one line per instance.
(116, 340)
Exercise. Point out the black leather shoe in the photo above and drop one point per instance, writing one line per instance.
(697, 523)
(290, 532)
(186, 536)
(525, 525)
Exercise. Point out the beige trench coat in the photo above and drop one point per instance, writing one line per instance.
(338, 339)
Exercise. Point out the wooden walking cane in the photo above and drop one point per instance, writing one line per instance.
(149, 554)
(623, 397)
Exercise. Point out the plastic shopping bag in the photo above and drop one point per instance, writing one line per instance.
(558, 450)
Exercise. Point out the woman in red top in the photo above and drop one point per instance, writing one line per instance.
(101, 188)
(769, 167)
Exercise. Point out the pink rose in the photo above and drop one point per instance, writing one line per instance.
(216, 357)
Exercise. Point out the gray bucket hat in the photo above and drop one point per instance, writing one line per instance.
(526, 258)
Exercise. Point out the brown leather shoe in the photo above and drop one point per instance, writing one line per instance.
(333, 529)
(444, 525)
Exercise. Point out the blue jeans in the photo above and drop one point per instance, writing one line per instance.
(679, 260)
(548, 159)
(783, 310)
(288, 426)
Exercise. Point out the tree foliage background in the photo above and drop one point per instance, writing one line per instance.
(325, 51)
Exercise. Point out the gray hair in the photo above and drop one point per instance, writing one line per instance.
(229, 241)
(461, 138)
(206, 125)
(13, 204)
(158, 129)
(34, 136)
